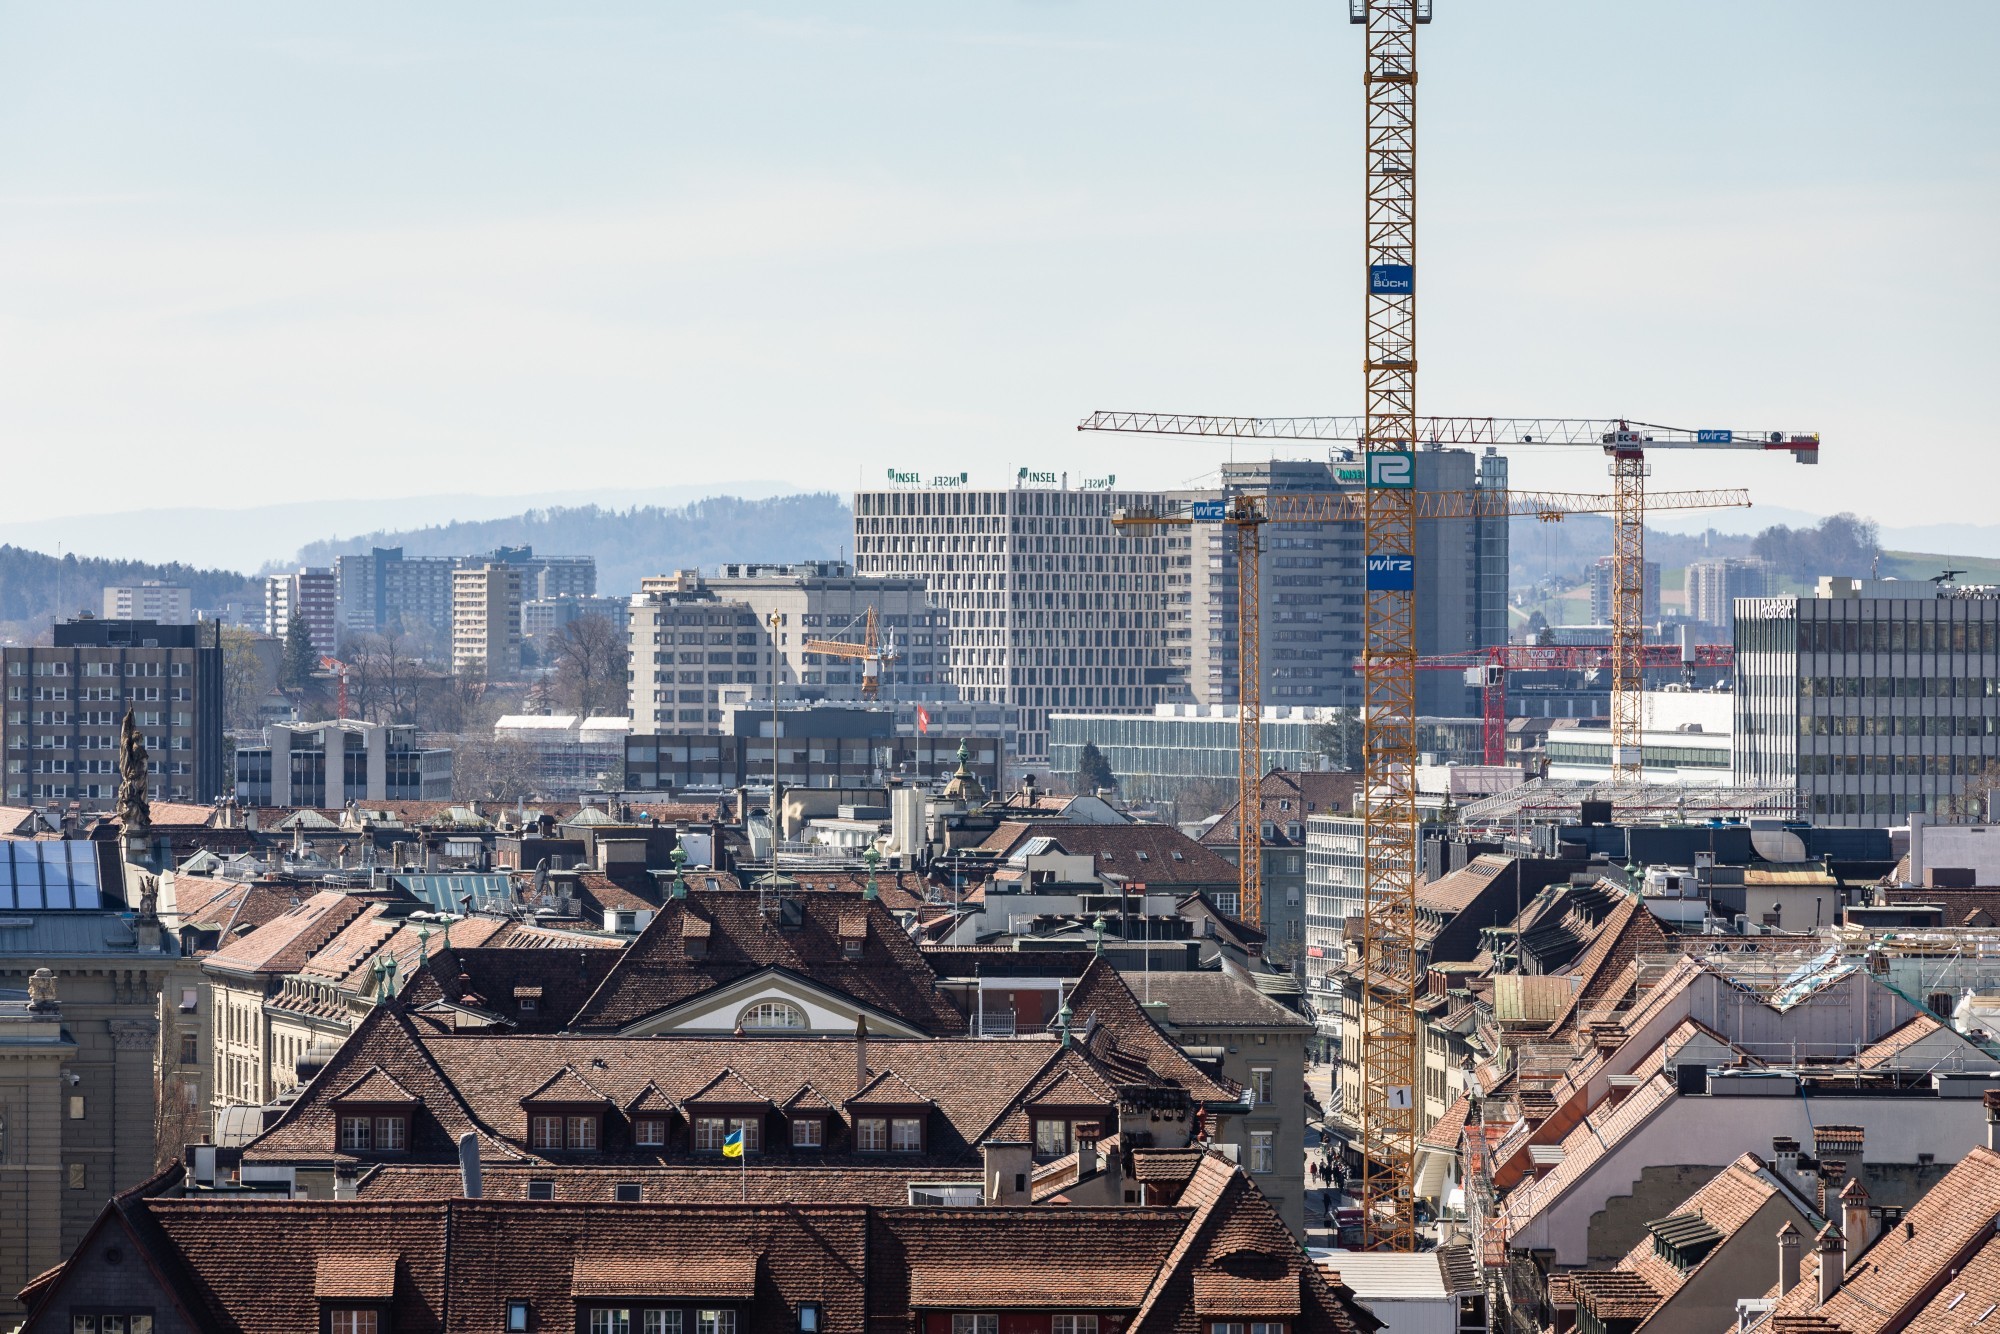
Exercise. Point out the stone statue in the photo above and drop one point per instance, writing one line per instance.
(41, 990)
(149, 897)
(134, 810)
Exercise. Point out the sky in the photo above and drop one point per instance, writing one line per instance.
(264, 252)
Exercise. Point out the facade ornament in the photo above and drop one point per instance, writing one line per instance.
(135, 812)
(42, 990)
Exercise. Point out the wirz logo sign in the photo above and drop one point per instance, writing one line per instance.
(1391, 573)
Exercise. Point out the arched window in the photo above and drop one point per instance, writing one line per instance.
(771, 1014)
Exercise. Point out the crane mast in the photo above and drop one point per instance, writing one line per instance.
(1386, 952)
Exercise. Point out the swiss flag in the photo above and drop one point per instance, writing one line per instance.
(923, 719)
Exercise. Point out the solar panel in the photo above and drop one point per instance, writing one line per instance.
(48, 874)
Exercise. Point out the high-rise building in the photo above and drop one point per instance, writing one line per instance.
(1714, 585)
(544, 617)
(689, 649)
(310, 594)
(1050, 607)
(550, 576)
(149, 600)
(66, 703)
(486, 621)
(385, 589)
(1875, 700)
(1600, 592)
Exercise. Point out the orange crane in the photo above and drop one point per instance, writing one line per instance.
(1247, 513)
(870, 653)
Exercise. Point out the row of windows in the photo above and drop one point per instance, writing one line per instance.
(1904, 634)
(1894, 766)
(1899, 687)
(1894, 725)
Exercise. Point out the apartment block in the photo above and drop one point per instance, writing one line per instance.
(149, 600)
(1600, 592)
(329, 764)
(690, 649)
(311, 594)
(1714, 585)
(1050, 608)
(1874, 700)
(486, 621)
(385, 589)
(544, 617)
(66, 702)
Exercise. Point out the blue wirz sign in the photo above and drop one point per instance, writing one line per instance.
(1392, 279)
(1714, 437)
(1391, 573)
(1209, 511)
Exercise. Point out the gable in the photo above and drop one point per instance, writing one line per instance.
(110, 1269)
(718, 1011)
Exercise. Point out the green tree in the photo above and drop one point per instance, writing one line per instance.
(1093, 771)
(1339, 739)
(245, 679)
(300, 662)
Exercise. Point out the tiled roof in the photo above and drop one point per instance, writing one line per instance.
(368, 1276)
(695, 1273)
(679, 1183)
(1454, 893)
(1908, 1271)
(1613, 1294)
(900, 891)
(656, 973)
(1100, 995)
(1212, 1000)
(1445, 1132)
(1583, 1148)
(375, 1086)
(1726, 1202)
(283, 944)
(1310, 793)
(1919, 1026)
(1152, 854)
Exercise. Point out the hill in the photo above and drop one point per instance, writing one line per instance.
(32, 581)
(632, 543)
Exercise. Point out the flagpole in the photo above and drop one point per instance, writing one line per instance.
(743, 1176)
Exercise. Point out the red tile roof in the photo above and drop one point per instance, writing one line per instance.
(283, 944)
(1152, 854)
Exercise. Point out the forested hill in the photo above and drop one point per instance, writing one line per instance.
(630, 544)
(31, 581)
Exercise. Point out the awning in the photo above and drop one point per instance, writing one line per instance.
(722, 1275)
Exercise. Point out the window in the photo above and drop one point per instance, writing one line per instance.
(710, 1131)
(346, 1320)
(767, 1015)
(610, 1320)
(808, 1132)
(517, 1317)
(546, 1132)
(389, 1133)
(541, 1190)
(107, 1322)
(76, 1107)
(662, 1322)
(1262, 1160)
(190, 1049)
(871, 1134)
(1260, 1086)
(1073, 1324)
(715, 1322)
(357, 1133)
(627, 1192)
(975, 1324)
(187, 1000)
(650, 1132)
(582, 1132)
(906, 1135)
(1051, 1139)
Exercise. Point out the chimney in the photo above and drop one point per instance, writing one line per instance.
(1828, 1245)
(1785, 1158)
(346, 1181)
(860, 1052)
(1992, 1100)
(1789, 1239)
(1086, 1158)
(1007, 1165)
(1831, 1174)
(1854, 1221)
(468, 1165)
(1839, 1142)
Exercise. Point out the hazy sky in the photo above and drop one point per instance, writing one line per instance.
(264, 251)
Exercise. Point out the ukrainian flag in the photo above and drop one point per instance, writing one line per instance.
(732, 1144)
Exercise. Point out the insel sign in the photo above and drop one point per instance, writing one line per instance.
(1029, 477)
(897, 477)
(1104, 483)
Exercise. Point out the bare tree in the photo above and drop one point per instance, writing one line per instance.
(589, 658)
(493, 769)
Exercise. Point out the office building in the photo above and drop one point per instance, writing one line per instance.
(1874, 700)
(66, 703)
(1685, 738)
(309, 594)
(486, 621)
(149, 600)
(689, 650)
(1050, 608)
(543, 618)
(549, 576)
(386, 590)
(1714, 585)
(1600, 592)
(329, 764)
(817, 754)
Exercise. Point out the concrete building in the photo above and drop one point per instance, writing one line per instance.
(329, 764)
(149, 600)
(542, 618)
(545, 577)
(385, 589)
(1600, 593)
(1050, 608)
(66, 702)
(1714, 585)
(690, 649)
(700, 760)
(310, 594)
(1874, 700)
(486, 621)
(1686, 739)
(1289, 801)
(93, 1005)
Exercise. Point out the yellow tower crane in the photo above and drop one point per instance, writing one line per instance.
(870, 653)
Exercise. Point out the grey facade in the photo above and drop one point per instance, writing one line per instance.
(1872, 708)
(678, 761)
(1714, 585)
(332, 763)
(65, 704)
(386, 590)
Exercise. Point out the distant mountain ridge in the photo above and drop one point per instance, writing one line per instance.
(35, 587)
(633, 543)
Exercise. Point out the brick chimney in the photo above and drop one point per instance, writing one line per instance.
(1828, 1245)
(1789, 1239)
(1831, 1175)
(1838, 1143)
(1854, 1221)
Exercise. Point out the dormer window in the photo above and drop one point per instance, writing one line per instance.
(649, 1132)
(572, 1133)
(374, 1134)
(770, 1015)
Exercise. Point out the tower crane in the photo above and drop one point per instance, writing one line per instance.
(1246, 513)
(870, 653)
